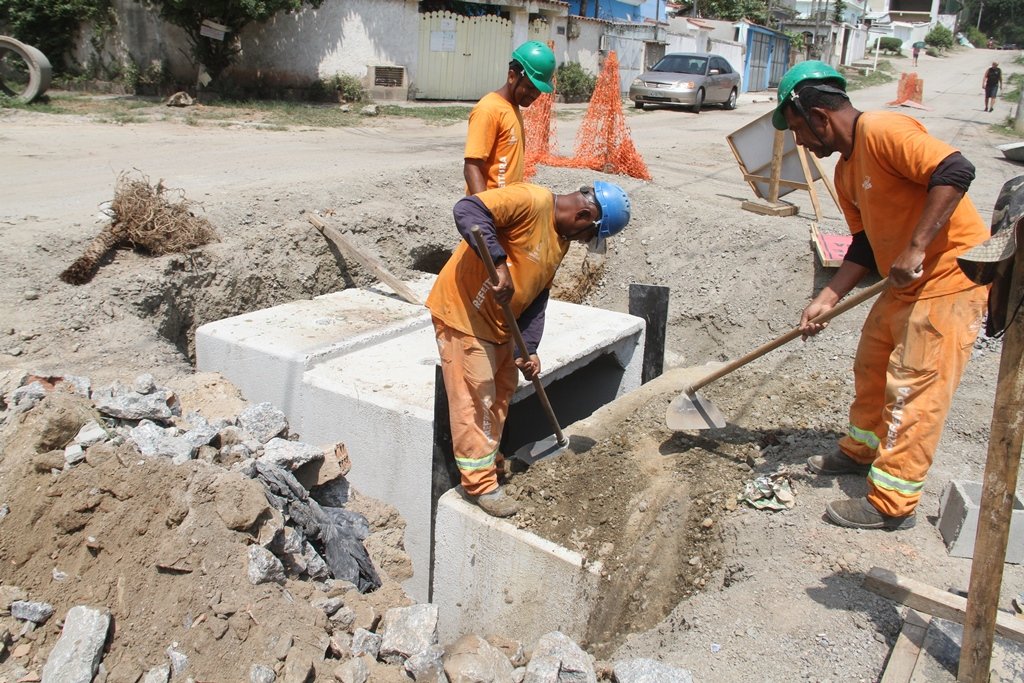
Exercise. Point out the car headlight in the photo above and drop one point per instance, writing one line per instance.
(686, 85)
(638, 81)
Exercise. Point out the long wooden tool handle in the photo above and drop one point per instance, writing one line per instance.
(366, 260)
(517, 335)
(838, 309)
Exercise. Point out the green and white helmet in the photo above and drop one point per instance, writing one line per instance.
(804, 71)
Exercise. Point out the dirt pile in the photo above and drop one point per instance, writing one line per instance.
(165, 548)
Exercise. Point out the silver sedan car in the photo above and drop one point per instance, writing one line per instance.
(690, 79)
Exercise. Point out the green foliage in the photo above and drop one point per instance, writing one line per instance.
(977, 38)
(144, 81)
(797, 41)
(574, 83)
(1001, 20)
(889, 44)
(940, 37)
(837, 13)
(338, 88)
(51, 25)
(217, 55)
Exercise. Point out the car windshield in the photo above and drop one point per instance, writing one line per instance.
(682, 64)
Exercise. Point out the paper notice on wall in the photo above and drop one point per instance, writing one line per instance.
(212, 30)
(442, 41)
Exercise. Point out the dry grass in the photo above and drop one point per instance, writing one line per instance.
(149, 218)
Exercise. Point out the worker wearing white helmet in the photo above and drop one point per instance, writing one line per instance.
(528, 230)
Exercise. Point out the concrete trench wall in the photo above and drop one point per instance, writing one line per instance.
(358, 366)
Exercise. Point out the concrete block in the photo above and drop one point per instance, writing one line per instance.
(358, 367)
(491, 577)
(958, 521)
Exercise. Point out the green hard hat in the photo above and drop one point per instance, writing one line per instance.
(538, 62)
(804, 71)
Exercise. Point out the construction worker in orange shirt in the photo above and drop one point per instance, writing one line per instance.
(528, 230)
(903, 194)
(495, 152)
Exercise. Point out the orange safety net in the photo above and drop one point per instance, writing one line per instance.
(909, 92)
(603, 142)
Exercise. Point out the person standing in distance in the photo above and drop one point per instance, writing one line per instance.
(495, 151)
(990, 83)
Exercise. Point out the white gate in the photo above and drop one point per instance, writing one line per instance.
(462, 58)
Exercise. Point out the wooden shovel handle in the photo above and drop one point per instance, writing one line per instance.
(517, 335)
(840, 308)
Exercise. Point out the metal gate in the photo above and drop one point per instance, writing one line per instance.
(759, 53)
(461, 58)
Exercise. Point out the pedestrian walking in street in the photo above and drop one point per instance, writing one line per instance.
(495, 152)
(903, 194)
(528, 230)
(992, 81)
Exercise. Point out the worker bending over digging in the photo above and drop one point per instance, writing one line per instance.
(527, 229)
(903, 193)
(495, 150)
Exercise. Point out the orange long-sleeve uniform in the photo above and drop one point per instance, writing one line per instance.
(916, 341)
(473, 339)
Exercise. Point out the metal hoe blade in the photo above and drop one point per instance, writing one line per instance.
(690, 410)
(538, 450)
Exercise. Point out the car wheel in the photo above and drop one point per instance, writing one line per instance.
(731, 102)
(639, 105)
(698, 102)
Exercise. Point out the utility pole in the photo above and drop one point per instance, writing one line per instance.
(981, 8)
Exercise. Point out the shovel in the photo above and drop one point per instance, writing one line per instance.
(529, 453)
(692, 411)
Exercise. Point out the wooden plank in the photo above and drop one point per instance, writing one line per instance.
(930, 600)
(368, 261)
(802, 155)
(779, 209)
(903, 658)
(751, 177)
(773, 185)
(997, 493)
(831, 249)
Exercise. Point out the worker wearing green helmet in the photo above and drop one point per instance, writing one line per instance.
(495, 152)
(903, 194)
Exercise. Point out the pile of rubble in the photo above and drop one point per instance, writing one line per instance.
(144, 541)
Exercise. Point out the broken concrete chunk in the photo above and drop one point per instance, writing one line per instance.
(512, 649)
(573, 663)
(116, 401)
(74, 454)
(36, 612)
(352, 671)
(643, 670)
(264, 567)
(91, 433)
(144, 383)
(328, 605)
(5, 510)
(471, 658)
(263, 421)
(344, 617)
(365, 643)
(26, 397)
(290, 455)
(261, 674)
(158, 674)
(316, 567)
(153, 440)
(408, 631)
(179, 660)
(428, 666)
(76, 656)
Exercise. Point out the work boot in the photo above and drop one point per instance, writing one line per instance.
(859, 513)
(496, 503)
(836, 463)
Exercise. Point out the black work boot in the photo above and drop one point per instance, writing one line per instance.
(859, 513)
(836, 463)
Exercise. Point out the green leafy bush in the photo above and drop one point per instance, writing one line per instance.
(977, 38)
(940, 37)
(574, 83)
(338, 88)
(51, 25)
(893, 45)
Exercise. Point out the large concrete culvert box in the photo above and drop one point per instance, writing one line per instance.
(358, 367)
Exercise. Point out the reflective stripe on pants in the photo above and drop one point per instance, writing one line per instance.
(479, 378)
(909, 362)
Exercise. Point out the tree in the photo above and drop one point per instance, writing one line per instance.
(50, 25)
(217, 55)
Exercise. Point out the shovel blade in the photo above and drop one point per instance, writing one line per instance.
(690, 410)
(538, 450)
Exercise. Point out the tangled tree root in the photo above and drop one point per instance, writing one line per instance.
(146, 220)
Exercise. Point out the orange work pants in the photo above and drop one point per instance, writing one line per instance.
(479, 378)
(909, 362)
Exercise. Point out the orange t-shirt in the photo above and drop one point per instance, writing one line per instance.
(882, 189)
(495, 136)
(524, 218)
